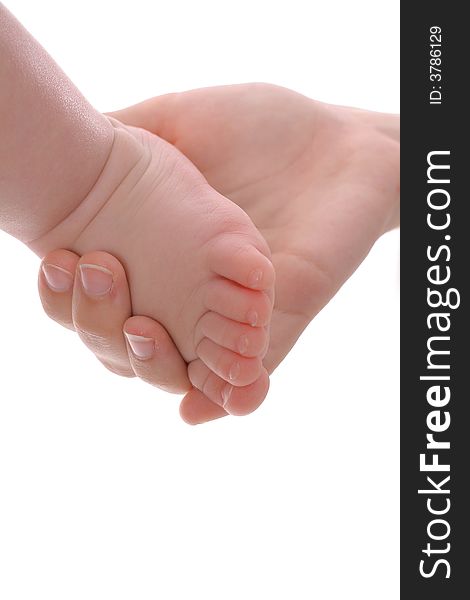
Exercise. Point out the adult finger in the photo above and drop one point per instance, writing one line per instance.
(100, 306)
(154, 356)
(55, 285)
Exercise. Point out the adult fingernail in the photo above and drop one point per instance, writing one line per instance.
(142, 347)
(96, 280)
(57, 278)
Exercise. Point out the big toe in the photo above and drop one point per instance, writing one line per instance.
(235, 257)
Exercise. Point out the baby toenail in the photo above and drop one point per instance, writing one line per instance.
(243, 344)
(96, 280)
(255, 278)
(142, 347)
(226, 393)
(234, 371)
(58, 279)
(252, 318)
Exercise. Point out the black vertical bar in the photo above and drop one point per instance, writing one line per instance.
(440, 127)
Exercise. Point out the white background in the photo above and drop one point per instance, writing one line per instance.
(104, 492)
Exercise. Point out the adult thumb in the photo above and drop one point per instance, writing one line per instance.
(156, 114)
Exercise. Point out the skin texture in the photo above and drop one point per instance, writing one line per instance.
(39, 181)
(320, 182)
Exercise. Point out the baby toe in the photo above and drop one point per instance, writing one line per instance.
(233, 368)
(238, 337)
(234, 258)
(237, 303)
(235, 400)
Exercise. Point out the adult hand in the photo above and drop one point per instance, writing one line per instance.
(321, 183)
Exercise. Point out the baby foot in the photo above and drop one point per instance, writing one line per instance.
(194, 260)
